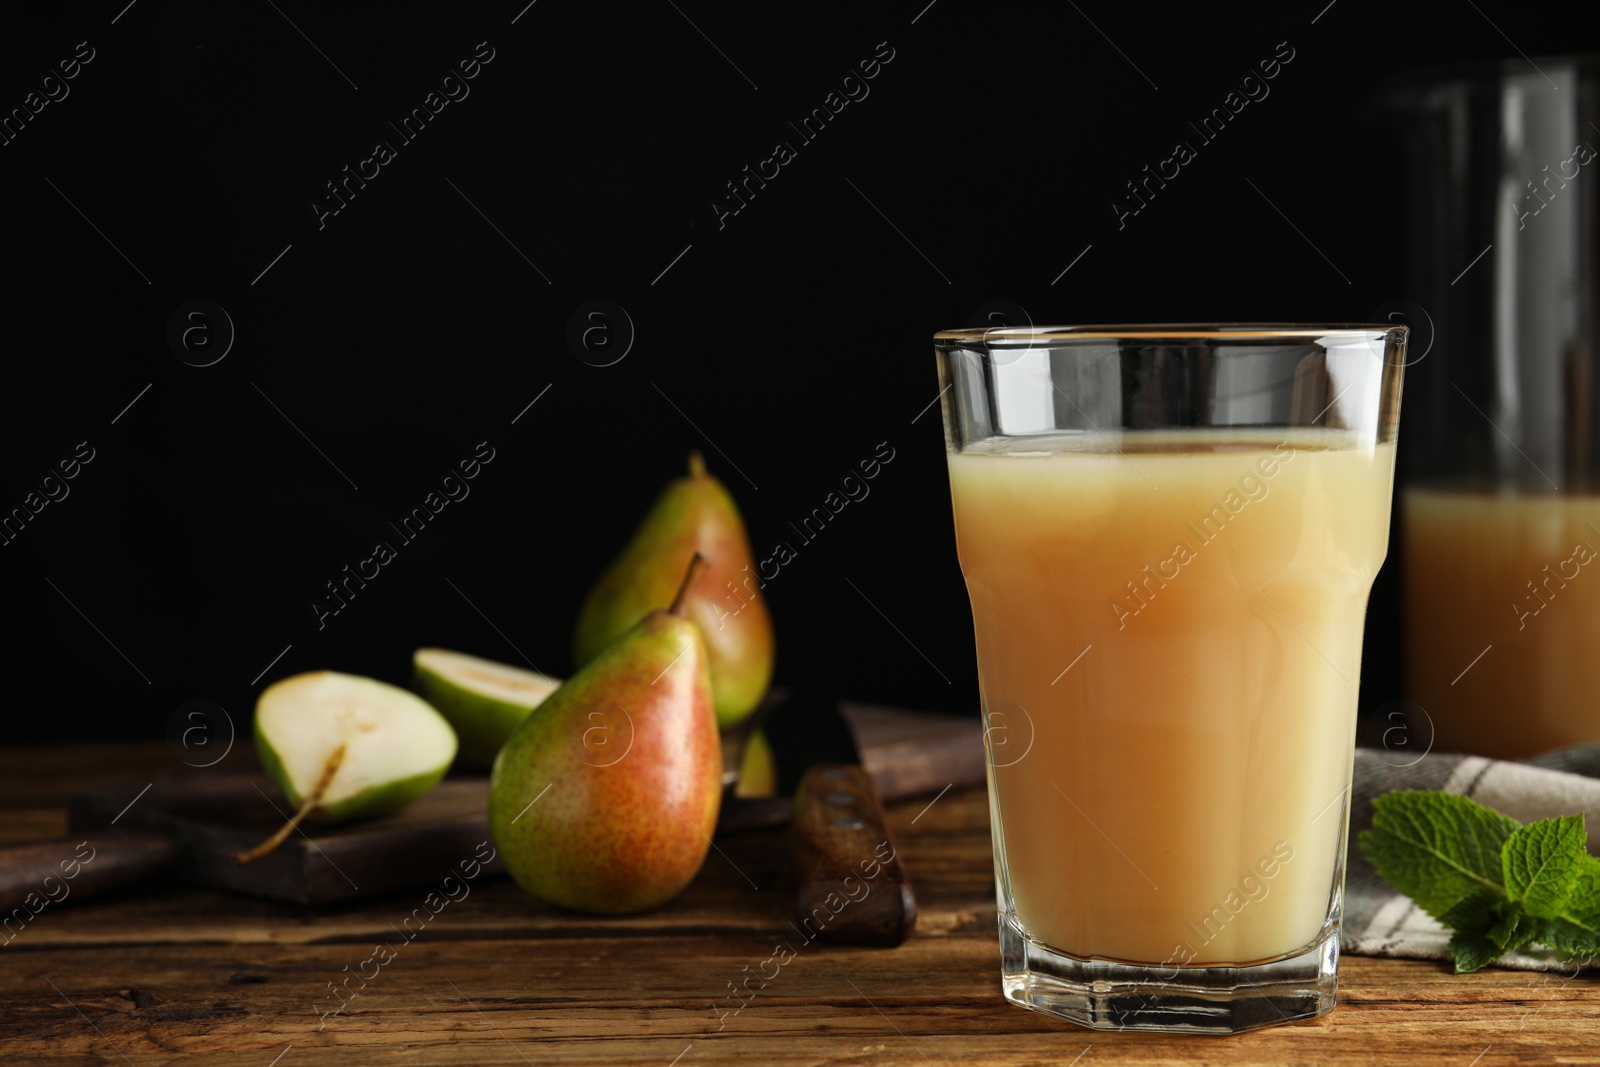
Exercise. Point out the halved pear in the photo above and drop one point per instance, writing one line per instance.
(395, 747)
(484, 700)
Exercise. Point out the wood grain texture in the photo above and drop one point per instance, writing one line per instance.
(909, 754)
(193, 976)
(51, 873)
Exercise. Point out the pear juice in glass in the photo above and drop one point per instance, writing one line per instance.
(1168, 535)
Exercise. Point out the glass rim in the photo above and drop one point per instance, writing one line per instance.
(1479, 73)
(1198, 331)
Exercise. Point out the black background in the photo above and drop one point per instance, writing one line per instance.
(795, 338)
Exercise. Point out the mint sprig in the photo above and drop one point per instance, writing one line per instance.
(1496, 884)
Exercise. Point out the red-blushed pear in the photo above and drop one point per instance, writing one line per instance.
(693, 514)
(605, 797)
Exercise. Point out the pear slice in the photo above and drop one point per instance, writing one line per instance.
(485, 701)
(758, 768)
(344, 747)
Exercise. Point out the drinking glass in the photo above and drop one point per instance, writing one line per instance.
(1168, 535)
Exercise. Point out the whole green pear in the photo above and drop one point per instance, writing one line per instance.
(693, 514)
(605, 797)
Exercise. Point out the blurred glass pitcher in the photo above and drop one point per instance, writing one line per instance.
(1500, 458)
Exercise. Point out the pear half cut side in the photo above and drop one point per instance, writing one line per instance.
(483, 700)
(396, 747)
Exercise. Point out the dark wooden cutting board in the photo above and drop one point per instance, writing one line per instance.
(191, 827)
(212, 817)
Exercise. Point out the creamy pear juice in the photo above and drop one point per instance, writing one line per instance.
(1503, 618)
(1169, 642)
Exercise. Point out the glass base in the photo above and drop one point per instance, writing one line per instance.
(1105, 995)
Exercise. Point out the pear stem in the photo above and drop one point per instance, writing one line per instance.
(307, 806)
(697, 465)
(694, 566)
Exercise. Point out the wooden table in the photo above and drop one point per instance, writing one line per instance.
(497, 978)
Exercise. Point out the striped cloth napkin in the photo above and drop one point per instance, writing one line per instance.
(1380, 922)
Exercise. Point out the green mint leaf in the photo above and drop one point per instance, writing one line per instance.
(1495, 884)
(1514, 929)
(1472, 952)
(1564, 936)
(1477, 912)
(1437, 848)
(1541, 862)
(1470, 946)
(1577, 929)
(1583, 906)
(1489, 917)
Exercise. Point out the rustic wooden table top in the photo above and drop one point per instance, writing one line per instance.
(177, 974)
